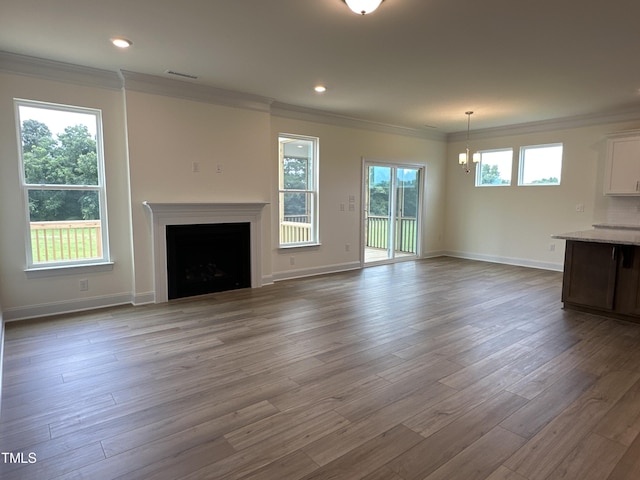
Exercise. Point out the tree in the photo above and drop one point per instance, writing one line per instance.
(408, 193)
(491, 175)
(69, 159)
(546, 181)
(379, 199)
(78, 151)
(34, 132)
(296, 177)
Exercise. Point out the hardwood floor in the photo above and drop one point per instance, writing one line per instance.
(437, 369)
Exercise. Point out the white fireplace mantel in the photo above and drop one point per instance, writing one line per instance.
(163, 214)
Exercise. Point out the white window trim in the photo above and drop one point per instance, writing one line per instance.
(46, 269)
(479, 168)
(521, 165)
(315, 194)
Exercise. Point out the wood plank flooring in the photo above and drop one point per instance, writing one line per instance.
(436, 369)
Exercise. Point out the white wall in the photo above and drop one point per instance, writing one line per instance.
(342, 150)
(151, 141)
(514, 224)
(166, 135)
(34, 295)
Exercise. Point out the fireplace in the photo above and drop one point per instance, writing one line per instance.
(207, 258)
(166, 215)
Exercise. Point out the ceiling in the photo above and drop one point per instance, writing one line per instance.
(413, 63)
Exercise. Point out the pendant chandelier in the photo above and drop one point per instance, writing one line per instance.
(362, 7)
(463, 158)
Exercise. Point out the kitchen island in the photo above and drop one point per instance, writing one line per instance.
(602, 271)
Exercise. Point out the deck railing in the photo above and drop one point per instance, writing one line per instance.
(295, 232)
(378, 233)
(70, 240)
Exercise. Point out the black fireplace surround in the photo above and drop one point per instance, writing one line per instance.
(207, 258)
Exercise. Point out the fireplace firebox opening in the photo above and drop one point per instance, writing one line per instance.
(207, 258)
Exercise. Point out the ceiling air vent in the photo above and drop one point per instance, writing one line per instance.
(179, 74)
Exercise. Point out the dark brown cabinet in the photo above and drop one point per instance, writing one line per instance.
(589, 274)
(602, 277)
(627, 298)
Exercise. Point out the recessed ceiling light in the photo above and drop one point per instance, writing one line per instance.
(121, 42)
(320, 88)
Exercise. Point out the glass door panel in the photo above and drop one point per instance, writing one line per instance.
(392, 205)
(406, 211)
(378, 213)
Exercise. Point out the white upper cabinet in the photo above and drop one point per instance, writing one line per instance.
(622, 168)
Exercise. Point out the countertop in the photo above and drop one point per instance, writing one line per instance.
(605, 233)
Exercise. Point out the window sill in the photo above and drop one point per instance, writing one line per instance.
(41, 272)
(538, 184)
(299, 245)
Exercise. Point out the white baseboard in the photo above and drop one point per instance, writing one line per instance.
(434, 254)
(67, 306)
(519, 262)
(143, 298)
(309, 272)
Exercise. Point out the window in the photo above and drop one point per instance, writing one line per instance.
(298, 202)
(62, 176)
(494, 167)
(540, 164)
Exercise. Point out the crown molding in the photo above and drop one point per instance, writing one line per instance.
(627, 114)
(88, 76)
(59, 71)
(170, 87)
(320, 116)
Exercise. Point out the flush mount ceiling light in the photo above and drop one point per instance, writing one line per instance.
(463, 158)
(320, 88)
(362, 7)
(121, 42)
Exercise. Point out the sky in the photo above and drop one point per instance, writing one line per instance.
(58, 120)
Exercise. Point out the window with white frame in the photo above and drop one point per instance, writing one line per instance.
(494, 168)
(298, 190)
(540, 164)
(62, 177)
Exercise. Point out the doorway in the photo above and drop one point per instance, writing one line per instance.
(392, 197)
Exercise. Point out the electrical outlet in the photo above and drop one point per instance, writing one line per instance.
(347, 247)
(84, 285)
(552, 247)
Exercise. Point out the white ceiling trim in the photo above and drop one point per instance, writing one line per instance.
(628, 114)
(170, 87)
(319, 116)
(88, 76)
(59, 71)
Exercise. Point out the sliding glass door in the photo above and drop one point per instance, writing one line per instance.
(392, 211)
